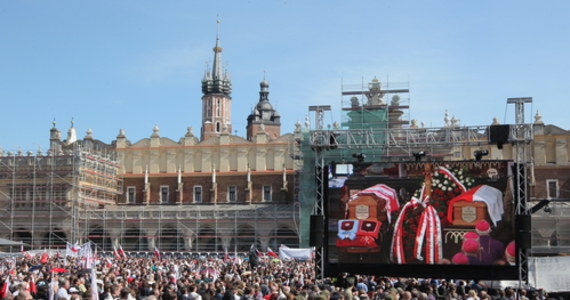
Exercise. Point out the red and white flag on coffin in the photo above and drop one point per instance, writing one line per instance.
(384, 192)
(491, 196)
(156, 252)
(271, 253)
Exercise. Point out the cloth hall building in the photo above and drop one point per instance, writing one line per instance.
(213, 192)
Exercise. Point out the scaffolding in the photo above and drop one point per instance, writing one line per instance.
(77, 196)
(374, 107)
(41, 195)
(196, 228)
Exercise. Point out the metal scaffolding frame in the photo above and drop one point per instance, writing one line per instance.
(73, 196)
(42, 195)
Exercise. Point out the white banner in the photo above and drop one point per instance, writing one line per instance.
(286, 253)
(550, 273)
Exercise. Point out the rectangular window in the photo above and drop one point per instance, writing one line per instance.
(552, 190)
(232, 193)
(198, 193)
(163, 194)
(131, 194)
(266, 193)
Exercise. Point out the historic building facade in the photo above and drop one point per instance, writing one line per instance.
(219, 192)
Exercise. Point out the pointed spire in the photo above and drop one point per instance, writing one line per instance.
(217, 66)
(216, 80)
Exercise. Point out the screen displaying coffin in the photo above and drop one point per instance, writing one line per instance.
(433, 213)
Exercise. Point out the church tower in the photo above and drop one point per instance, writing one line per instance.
(216, 101)
(263, 117)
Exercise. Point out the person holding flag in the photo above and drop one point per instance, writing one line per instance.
(253, 257)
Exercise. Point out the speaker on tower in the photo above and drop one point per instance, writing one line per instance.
(316, 236)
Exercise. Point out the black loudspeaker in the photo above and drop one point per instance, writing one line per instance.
(317, 231)
(499, 134)
(523, 238)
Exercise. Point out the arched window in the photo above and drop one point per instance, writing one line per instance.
(217, 126)
(218, 108)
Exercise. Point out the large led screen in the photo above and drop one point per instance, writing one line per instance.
(421, 219)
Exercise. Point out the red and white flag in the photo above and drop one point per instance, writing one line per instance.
(5, 288)
(116, 253)
(45, 257)
(383, 192)
(108, 262)
(72, 249)
(122, 252)
(157, 252)
(271, 253)
(491, 196)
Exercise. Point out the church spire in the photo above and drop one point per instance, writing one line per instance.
(217, 67)
(217, 81)
(216, 99)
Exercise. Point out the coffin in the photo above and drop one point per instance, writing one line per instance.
(469, 212)
(367, 207)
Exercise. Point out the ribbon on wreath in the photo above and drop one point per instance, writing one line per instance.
(429, 230)
(397, 248)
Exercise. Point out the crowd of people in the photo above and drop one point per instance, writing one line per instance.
(218, 278)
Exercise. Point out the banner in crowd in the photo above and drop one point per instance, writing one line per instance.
(550, 273)
(286, 253)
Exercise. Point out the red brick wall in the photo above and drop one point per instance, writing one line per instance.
(274, 131)
(541, 174)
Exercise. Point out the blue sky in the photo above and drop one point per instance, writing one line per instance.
(133, 64)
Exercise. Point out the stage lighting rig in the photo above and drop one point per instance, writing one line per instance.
(419, 155)
(480, 153)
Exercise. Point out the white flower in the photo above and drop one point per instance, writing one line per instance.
(445, 182)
